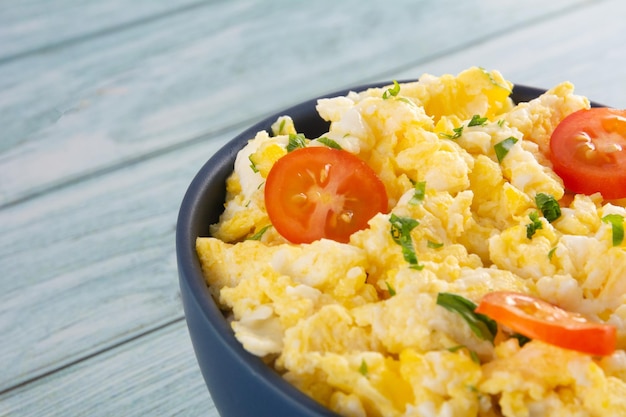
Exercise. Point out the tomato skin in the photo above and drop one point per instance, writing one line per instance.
(318, 192)
(538, 319)
(588, 151)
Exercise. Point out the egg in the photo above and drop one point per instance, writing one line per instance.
(359, 328)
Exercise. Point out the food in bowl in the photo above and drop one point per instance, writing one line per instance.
(478, 285)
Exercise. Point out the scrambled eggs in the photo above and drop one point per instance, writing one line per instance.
(356, 328)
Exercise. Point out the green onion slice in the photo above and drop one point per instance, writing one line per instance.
(534, 225)
(401, 233)
(502, 148)
(617, 227)
(549, 206)
(296, 141)
(419, 194)
(392, 91)
(481, 325)
(329, 142)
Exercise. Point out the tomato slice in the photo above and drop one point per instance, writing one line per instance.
(538, 319)
(588, 151)
(319, 192)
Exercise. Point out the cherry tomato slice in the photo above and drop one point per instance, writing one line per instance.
(538, 319)
(588, 151)
(319, 192)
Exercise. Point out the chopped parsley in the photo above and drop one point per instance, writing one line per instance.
(252, 164)
(534, 224)
(617, 227)
(458, 131)
(477, 121)
(434, 245)
(493, 80)
(481, 325)
(419, 194)
(521, 339)
(502, 148)
(296, 141)
(472, 354)
(405, 100)
(259, 234)
(551, 253)
(392, 91)
(282, 126)
(329, 142)
(401, 233)
(363, 368)
(549, 206)
(392, 291)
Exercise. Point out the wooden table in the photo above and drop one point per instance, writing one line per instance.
(109, 108)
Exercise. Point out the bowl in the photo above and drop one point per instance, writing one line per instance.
(240, 383)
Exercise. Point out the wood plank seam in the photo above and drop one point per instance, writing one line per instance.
(172, 148)
(93, 354)
(101, 32)
(72, 177)
(488, 37)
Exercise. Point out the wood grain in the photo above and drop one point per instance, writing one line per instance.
(99, 138)
(102, 274)
(154, 376)
(584, 46)
(34, 26)
(111, 99)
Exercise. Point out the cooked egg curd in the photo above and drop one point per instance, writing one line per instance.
(357, 327)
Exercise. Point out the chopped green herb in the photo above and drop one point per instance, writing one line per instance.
(406, 100)
(391, 290)
(458, 131)
(502, 148)
(501, 122)
(252, 164)
(534, 224)
(296, 141)
(363, 368)
(481, 325)
(282, 126)
(401, 233)
(493, 81)
(549, 206)
(477, 121)
(472, 354)
(259, 234)
(521, 339)
(617, 227)
(329, 142)
(392, 91)
(473, 388)
(419, 194)
(551, 253)
(434, 245)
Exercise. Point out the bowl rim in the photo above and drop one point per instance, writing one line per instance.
(190, 271)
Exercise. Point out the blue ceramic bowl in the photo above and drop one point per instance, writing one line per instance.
(241, 385)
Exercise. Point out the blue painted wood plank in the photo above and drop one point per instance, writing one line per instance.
(92, 265)
(94, 105)
(154, 376)
(585, 47)
(31, 26)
